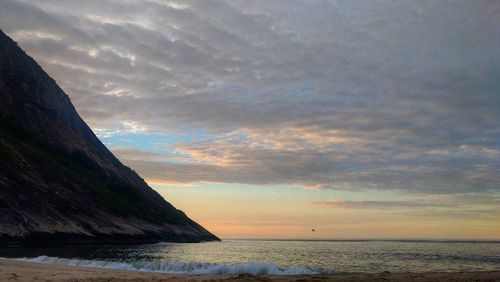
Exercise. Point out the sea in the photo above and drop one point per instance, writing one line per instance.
(273, 257)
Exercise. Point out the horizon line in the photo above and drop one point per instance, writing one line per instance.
(369, 239)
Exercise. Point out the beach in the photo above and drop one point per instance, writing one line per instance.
(27, 271)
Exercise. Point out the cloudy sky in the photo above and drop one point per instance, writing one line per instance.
(263, 119)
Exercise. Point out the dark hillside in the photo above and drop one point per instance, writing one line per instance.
(58, 182)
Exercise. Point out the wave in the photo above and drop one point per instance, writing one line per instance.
(184, 268)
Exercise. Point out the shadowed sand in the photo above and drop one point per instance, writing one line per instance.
(28, 271)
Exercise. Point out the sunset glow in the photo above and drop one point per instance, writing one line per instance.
(268, 119)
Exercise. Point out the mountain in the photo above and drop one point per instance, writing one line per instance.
(58, 182)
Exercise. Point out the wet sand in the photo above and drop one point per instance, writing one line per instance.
(27, 271)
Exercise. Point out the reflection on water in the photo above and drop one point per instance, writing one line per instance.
(341, 256)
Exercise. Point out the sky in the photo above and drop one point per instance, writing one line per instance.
(267, 119)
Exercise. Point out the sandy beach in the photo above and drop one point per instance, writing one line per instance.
(27, 271)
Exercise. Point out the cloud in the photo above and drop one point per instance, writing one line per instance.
(377, 204)
(469, 205)
(334, 94)
(324, 160)
(134, 154)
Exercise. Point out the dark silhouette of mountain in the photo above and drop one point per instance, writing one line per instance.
(58, 182)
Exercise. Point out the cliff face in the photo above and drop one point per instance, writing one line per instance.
(58, 182)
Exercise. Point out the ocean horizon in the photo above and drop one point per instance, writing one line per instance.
(194, 141)
(274, 257)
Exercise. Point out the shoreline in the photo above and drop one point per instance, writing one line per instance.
(11, 270)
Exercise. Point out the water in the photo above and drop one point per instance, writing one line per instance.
(275, 257)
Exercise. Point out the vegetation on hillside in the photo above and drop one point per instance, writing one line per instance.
(115, 195)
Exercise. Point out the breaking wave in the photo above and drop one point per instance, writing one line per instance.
(185, 268)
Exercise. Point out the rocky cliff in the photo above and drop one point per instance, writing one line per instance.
(58, 182)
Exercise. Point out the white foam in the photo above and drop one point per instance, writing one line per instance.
(185, 268)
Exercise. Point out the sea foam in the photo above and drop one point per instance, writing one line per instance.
(184, 268)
